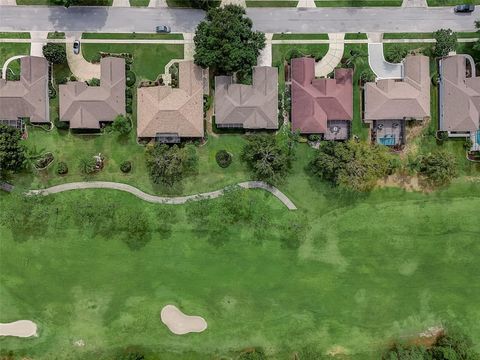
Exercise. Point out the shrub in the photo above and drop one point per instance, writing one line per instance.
(94, 82)
(61, 125)
(126, 167)
(72, 78)
(44, 161)
(314, 137)
(439, 167)
(128, 108)
(88, 165)
(223, 158)
(52, 93)
(128, 93)
(293, 54)
(62, 168)
(55, 53)
(131, 78)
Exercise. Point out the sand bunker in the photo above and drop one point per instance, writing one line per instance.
(179, 323)
(20, 328)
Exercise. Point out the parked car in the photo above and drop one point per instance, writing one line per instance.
(163, 29)
(465, 8)
(76, 47)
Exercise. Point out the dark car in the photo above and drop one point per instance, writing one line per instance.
(163, 29)
(465, 8)
(76, 47)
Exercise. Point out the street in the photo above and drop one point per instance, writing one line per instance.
(275, 20)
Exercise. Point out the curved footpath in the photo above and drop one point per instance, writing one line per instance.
(162, 199)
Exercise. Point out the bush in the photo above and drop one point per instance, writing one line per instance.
(55, 53)
(126, 167)
(94, 82)
(128, 93)
(44, 161)
(72, 78)
(131, 78)
(314, 137)
(439, 167)
(52, 93)
(293, 54)
(223, 158)
(88, 165)
(62, 168)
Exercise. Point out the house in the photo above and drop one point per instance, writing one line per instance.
(390, 102)
(321, 106)
(170, 114)
(28, 97)
(459, 98)
(248, 107)
(88, 107)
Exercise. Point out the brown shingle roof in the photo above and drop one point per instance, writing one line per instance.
(29, 96)
(251, 106)
(316, 101)
(399, 99)
(167, 110)
(86, 106)
(460, 96)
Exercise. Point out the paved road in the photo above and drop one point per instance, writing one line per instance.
(270, 20)
(162, 199)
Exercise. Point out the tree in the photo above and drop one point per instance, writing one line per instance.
(168, 165)
(396, 53)
(88, 165)
(204, 4)
(266, 158)
(439, 167)
(446, 42)
(352, 165)
(12, 152)
(55, 53)
(225, 41)
(122, 124)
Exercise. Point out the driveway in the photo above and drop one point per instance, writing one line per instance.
(382, 68)
(81, 68)
(333, 56)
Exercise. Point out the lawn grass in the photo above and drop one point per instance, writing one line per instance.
(139, 2)
(426, 35)
(139, 36)
(149, 59)
(451, 2)
(357, 3)
(7, 50)
(284, 36)
(352, 283)
(14, 35)
(355, 36)
(56, 35)
(271, 3)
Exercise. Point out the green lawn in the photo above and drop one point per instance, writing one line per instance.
(355, 36)
(354, 282)
(425, 35)
(14, 35)
(357, 3)
(7, 50)
(56, 35)
(284, 36)
(451, 2)
(149, 59)
(271, 3)
(139, 36)
(139, 2)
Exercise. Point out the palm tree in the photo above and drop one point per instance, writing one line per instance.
(31, 156)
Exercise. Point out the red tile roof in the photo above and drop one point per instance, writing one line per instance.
(316, 101)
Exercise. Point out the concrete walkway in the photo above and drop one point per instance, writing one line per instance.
(121, 3)
(265, 57)
(157, 4)
(162, 199)
(81, 68)
(415, 3)
(306, 4)
(188, 46)
(39, 38)
(5, 65)
(333, 57)
(382, 68)
(241, 3)
(8, 2)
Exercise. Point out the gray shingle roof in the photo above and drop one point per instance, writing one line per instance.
(253, 106)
